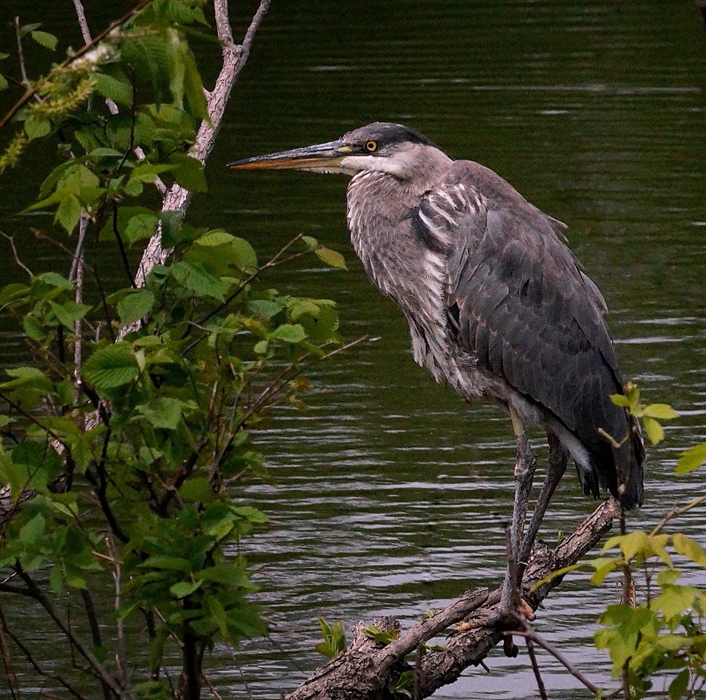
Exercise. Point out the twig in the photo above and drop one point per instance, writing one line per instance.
(675, 513)
(20, 54)
(32, 91)
(540, 642)
(82, 21)
(535, 669)
(18, 262)
(7, 657)
(95, 631)
(76, 643)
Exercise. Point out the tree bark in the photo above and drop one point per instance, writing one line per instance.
(366, 670)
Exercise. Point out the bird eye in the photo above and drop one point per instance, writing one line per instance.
(371, 146)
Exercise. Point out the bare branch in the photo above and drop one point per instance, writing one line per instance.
(529, 635)
(20, 53)
(18, 262)
(98, 668)
(234, 59)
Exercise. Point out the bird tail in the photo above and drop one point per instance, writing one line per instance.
(619, 468)
(630, 458)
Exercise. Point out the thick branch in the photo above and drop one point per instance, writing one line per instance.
(364, 670)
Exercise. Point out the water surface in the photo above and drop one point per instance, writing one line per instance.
(389, 494)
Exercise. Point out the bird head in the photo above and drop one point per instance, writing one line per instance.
(380, 146)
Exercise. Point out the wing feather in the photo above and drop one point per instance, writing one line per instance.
(527, 312)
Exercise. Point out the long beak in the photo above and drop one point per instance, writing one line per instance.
(322, 156)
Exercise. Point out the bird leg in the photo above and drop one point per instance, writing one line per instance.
(556, 466)
(525, 466)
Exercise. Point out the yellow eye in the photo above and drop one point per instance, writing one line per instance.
(371, 146)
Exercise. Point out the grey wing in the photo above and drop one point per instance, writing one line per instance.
(520, 305)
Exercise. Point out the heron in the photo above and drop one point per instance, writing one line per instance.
(498, 308)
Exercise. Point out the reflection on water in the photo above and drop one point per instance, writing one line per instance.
(389, 494)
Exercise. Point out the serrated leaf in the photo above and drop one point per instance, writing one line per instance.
(112, 88)
(111, 367)
(69, 312)
(654, 431)
(69, 212)
(662, 411)
(165, 412)
(289, 333)
(331, 258)
(689, 548)
(45, 39)
(196, 278)
(135, 305)
(692, 459)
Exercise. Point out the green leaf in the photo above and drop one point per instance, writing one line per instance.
(331, 258)
(322, 327)
(679, 685)
(197, 489)
(184, 588)
(188, 172)
(603, 566)
(655, 432)
(5, 421)
(692, 459)
(33, 531)
(36, 126)
(48, 41)
(25, 29)
(135, 305)
(689, 548)
(289, 333)
(214, 238)
(620, 400)
(168, 563)
(68, 312)
(165, 412)
(662, 411)
(117, 90)
(193, 87)
(27, 376)
(140, 227)
(196, 278)
(111, 367)
(69, 212)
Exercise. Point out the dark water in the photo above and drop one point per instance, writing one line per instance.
(390, 495)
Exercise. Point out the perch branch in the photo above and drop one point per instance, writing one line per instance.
(364, 670)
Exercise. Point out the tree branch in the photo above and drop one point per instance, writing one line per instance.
(98, 668)
(364, 670)
(234, 59)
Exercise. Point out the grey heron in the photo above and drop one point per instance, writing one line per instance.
(498, 307)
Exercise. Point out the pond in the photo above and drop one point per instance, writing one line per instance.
(390, 495)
